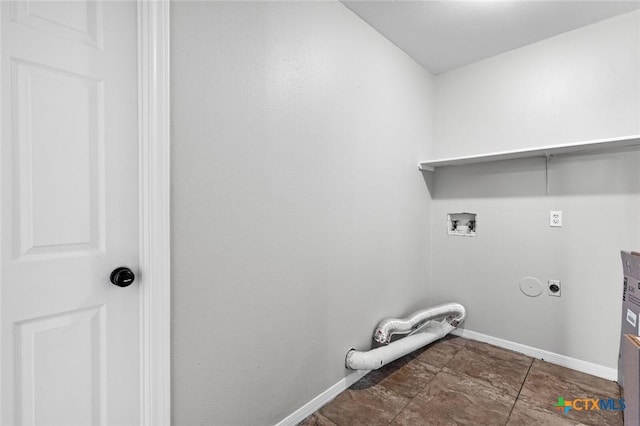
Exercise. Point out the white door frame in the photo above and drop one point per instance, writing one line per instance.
(154, 211)
(154, 107)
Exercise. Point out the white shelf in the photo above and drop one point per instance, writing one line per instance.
(545, 151)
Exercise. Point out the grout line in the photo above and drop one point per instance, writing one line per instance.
(521, 386)
(417, 360)
(405, 406)
(419, 392)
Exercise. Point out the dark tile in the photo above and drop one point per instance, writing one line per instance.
(456, 400)
(438, 354)
(469, 390)
(586, 382)
(499, 354)
(405, 376)
(372, 379)
(364, 405)
(409, 379)
(376, 376)
(316, 419)
(547, 382)
(454, 340)
(526, 414)
(494, 366)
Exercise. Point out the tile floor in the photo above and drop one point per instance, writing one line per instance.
(462, 382)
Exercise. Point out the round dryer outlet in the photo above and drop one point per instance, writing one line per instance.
(531, 286)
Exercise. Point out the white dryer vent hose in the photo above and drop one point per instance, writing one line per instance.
(423, 327)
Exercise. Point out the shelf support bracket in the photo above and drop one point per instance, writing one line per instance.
(547, 158)
(426, 168)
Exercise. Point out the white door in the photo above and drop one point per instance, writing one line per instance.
(69, 213)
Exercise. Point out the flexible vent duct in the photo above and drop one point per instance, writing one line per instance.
(424, 328)
(453, 312)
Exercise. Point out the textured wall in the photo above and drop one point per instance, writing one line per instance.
(578, 86)
(299, 217)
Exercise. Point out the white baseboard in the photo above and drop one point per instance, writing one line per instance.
(316, 403)
(562, 360)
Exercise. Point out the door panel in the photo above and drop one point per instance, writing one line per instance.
(69, 213)
(80, 20)
(62, 369)
(59, 187)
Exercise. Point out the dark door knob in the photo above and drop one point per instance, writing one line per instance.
(122, 276)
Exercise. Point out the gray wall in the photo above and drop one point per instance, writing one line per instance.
(299, 217)
(578, 86)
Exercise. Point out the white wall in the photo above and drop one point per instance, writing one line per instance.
(299, 217)
(577, 86)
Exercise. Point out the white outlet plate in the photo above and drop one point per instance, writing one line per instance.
(555, 218)
(556, 282)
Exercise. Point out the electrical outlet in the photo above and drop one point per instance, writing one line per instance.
(554, 287)
(555, 218)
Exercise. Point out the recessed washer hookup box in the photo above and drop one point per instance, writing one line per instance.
(630, 302)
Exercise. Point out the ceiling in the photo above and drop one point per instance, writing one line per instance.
(442, 35)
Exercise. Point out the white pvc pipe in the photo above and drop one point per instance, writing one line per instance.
(376, 358)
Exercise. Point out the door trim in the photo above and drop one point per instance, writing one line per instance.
(154, 158)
